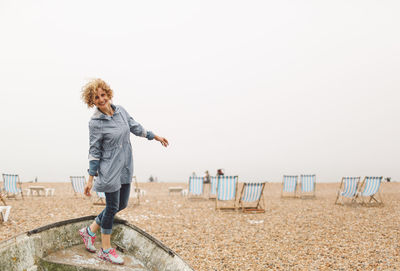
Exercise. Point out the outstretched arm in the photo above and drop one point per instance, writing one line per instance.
(138, 130)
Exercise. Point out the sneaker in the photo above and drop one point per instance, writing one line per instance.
(111, 256)
(88, 240)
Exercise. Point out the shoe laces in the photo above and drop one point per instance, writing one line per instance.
(92, 238)
(113, 252)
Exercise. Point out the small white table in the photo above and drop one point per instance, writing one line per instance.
(38, 190)
(176, 189)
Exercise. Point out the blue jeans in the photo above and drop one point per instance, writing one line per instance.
(115, 202)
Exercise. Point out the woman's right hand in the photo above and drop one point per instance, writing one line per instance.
(89, 186)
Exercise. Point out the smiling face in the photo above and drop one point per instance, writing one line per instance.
(95, 90)
(101, 100)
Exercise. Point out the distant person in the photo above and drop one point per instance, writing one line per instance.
(151, 179)
(110, 158)
(206, 177)
(220, 172)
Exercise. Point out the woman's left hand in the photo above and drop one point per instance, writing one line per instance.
(162, 140)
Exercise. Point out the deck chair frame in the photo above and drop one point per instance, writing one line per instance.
(285, 184)
(349, 189)
(372, 200)
(100, 198)
(4, 213)
(78, 188)
(259, 208)
(16, 183)
(307, 194)
(2, 197)
(219, 200)
(198, 184)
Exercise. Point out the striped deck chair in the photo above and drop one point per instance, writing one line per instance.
(213, 187)
(10, 186)
(307, 183)
(289, 186)
(226, 192)
(196, 187)
(252, 193)
(370, 188)
(349, 186)
(78, 184)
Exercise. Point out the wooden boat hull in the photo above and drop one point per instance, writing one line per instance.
(59, 247)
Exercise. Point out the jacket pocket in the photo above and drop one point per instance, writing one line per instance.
(104, 168)
(106, 154)
(105, 162)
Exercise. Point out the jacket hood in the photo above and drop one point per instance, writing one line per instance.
(97, 114)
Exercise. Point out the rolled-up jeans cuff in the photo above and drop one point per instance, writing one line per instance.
(106, 231)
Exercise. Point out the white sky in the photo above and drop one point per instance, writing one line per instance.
(259, 88)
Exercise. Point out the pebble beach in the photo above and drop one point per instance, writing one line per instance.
(292, 234)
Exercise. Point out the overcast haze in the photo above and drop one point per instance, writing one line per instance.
(259, 88)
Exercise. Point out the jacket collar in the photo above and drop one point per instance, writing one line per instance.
(100, 115)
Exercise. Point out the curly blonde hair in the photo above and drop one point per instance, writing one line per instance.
(89, 91)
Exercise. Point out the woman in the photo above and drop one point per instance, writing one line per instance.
(110, 159)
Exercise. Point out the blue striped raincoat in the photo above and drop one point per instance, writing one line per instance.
(110, 151)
